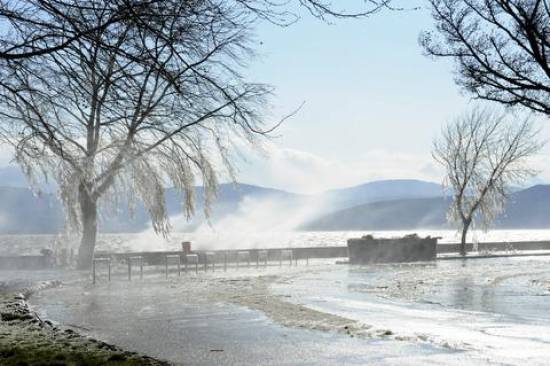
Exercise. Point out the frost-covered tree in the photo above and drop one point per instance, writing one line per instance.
(484, 154)
(123, 112)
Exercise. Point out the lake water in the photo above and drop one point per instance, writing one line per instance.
(229, 239)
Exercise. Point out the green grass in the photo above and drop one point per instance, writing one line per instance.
(26, 341)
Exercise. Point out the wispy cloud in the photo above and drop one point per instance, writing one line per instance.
(304, 172)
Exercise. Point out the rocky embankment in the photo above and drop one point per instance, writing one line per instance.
(26, 339)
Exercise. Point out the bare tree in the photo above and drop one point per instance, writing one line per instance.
(37, 27)
(484, 155)
(107, 125)
(501, 48)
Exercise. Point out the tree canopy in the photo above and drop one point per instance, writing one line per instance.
(501, 48)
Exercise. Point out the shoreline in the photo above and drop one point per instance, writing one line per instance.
(26, 339)
(247, 290)
(213, 300)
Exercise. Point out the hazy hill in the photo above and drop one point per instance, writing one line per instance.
(383, 190)
(385, 215)
(526, 209)
(372, 206)
(529, 209)
(22, 212)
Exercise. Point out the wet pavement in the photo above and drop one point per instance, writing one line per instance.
(482, 312)
(495, 309)
(154, 319)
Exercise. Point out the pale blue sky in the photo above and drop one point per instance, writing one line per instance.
(373, 102)
(362, 80)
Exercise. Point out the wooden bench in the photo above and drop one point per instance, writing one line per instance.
(262, 256)
(209, 257)
(245, 255)
(192, 258)
(285, 253)
(95, 261)
(169, 257)
(139, 259)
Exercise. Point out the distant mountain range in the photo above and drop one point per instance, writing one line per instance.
(384, 190)
(526, 209)
(389, 204)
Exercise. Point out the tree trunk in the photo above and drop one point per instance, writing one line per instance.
(465, 227)
(88, 208)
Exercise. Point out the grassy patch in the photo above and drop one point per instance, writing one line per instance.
(27, 341)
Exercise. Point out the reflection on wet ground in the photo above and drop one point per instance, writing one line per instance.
(160, 320)
(497, 308)
(510, 286)
(480, 312)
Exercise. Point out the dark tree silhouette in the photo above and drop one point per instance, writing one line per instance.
(501, 48)
(37, 27)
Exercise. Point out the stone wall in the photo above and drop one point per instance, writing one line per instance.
(410, 248)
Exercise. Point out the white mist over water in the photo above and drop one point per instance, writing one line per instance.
(257, 223)
(267, 221)
(272, 222)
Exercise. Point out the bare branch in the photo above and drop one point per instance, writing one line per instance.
(484, 155)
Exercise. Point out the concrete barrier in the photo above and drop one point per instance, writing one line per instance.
(410, 248)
